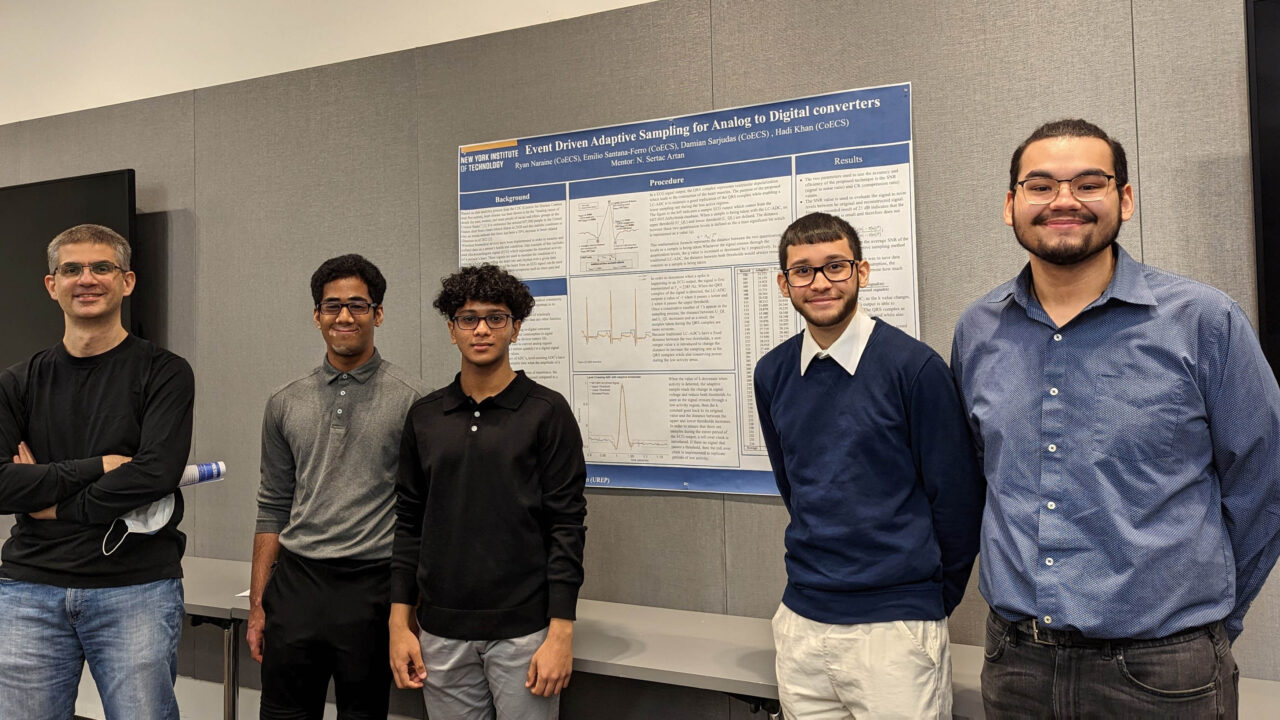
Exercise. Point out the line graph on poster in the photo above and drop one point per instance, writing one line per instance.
(623, 418)
(607, 232)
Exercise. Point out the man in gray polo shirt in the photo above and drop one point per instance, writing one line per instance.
(321, 554)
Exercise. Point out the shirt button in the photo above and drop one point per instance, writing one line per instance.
(1053, 391)
(1057, 337)
(1048, 619)
(344, 376)
(1048, 561)
(474, 428)
(1053, 448)
(477, 413)
(342, 392)
(339, 411)
(1051, 505)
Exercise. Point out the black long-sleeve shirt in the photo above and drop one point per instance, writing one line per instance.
(489, 512)
(135, 400)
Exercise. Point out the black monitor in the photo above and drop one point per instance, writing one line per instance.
(32, 215)
(1263, 28)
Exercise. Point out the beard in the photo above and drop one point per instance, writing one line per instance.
(846, 310)
(1099, 238)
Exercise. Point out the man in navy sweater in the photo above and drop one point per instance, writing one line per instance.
(873, 459)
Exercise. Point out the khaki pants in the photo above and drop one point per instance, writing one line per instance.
(897, 669)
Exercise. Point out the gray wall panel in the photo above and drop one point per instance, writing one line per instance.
(1255, 649)
(293, 169)
(753, 554)
(153, 136)
(9, 144)
(967, 624)
(1193, 126)
(631, 64)
(660, 549)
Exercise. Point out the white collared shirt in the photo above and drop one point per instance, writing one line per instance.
(846, 350)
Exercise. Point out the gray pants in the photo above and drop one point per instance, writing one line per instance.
(483, 679)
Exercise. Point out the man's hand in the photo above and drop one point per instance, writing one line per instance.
(253, 636)
(552, 664)
(407, 666)
(111, 462)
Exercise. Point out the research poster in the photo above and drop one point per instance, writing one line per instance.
(652, 251)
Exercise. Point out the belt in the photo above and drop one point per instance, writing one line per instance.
(1033, 630)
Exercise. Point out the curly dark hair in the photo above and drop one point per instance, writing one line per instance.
(484, 283)
(345, 266)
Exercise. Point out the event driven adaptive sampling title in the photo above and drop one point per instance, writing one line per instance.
(730, 123)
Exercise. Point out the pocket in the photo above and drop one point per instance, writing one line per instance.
(1136, 418)
(923, 635)
(995, 642)
(779, 625)
(267, 594)
(1178, 671)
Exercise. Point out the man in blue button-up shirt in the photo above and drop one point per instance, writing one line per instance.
(1129, 428)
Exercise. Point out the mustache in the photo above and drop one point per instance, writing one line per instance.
(1081, 215)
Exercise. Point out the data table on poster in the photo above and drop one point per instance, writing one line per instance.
(652, 251)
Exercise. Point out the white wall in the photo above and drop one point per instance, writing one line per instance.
(59, 56)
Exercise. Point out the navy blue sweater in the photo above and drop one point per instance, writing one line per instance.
(878, 472)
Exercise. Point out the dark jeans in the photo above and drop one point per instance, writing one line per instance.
(1186, 675)
(325, 618)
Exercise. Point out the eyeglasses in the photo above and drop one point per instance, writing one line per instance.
(834, 271)
(102, 268)
(355, 307)
(495, 321)
(1085, 187)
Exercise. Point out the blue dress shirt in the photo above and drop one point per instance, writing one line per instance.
(1132, 455)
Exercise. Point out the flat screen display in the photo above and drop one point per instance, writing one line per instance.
(32, 215)
(1263, 23)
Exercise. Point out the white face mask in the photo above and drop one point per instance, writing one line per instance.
(146, 520)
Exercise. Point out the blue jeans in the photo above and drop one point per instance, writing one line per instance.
(1186, 675)
(128, 634)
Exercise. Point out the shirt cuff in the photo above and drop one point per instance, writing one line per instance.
(404, 588)
(562, 601)
(267, 524)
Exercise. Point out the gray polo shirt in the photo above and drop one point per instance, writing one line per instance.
(330, 447)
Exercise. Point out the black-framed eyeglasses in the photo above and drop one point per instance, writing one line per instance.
(1085, 187)
(495, 321)
(102, 268)
(355, 307)
(834, 271)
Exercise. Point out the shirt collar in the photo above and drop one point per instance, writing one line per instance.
(510, 398)
(360, 374)
(846, 350)
(1128, 284)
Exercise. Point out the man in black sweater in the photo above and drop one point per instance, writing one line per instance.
(93, 431)
(489, 523)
